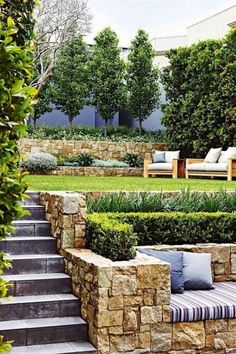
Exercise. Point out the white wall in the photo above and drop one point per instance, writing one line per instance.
(214, 27)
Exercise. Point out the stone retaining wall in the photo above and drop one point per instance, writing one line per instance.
(67, 214)
(126, 305)
(94, 171)
(103, 149)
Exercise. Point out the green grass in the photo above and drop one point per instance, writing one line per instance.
(76, 183)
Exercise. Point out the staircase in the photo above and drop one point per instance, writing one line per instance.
(44, 315)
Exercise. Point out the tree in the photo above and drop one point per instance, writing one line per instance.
(108, 76)
(201, 101)
(142, 79)
(16, 106)
(57, 23)
(70, 82)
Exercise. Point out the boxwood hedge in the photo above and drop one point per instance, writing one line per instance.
(115, 235)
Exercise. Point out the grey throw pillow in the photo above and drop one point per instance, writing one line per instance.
(158, 157)
(213, 155)
(176, 262)
(197, 271)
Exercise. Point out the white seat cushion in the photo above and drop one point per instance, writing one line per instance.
(216, 167)
(196, 166)
(166, 166)
(171, 155)
(208, 167)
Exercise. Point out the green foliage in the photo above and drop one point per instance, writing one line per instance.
(201, 99)
(133, 160)
(159, 228)
(15, 106)
(107, 75)
(84, 159)
(185, 201)
(110, 238)
(142, 79)
(40, 161)
(121, 134)
(70, 87)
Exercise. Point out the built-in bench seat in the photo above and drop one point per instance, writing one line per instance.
(200, 305)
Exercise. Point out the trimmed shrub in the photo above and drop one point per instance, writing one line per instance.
(111, 238)
(156, 228)
(40, 161)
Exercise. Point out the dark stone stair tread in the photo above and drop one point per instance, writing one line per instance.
(41, 323)
(30, 277)
(29, 222)
(57, 348)
(38, 298)
(14, 257)
(28, 238)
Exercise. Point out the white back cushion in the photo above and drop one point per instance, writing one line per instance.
(213, 155)
(223, 157)
(171, 155)
(231, 152)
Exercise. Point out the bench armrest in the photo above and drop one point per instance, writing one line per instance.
(189, 161)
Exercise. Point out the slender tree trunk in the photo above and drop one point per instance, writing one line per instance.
(140, 126)
(71, 126)
(34, 124)
(105, 129)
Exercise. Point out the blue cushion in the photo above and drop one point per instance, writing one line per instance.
(176, 261)
(158, 157)
(197, 271)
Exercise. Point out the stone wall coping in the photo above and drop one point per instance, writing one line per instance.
(189, 246)
(100, 261)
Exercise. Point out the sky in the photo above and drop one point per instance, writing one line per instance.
(159, 18)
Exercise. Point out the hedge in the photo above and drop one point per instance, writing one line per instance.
(115, 235)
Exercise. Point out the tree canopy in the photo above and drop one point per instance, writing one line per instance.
(201, 98)
(107, 75)
(142, 79)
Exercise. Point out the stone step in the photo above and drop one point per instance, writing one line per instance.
(33, 198)
(44, 330)
(36, 212)
(29, 245)
(31, 228)
(80, 347)
(38, 284)
(41, 306)
(36, 263)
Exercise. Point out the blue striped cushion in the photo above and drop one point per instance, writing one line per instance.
(197, 305)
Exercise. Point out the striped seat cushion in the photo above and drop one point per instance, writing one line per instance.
(197, 305)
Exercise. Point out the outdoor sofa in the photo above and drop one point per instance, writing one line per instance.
(163, 163)
(217, 163)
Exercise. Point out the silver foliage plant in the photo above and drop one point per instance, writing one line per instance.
(39, 161)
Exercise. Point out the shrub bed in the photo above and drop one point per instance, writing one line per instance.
(119, 134)
(114, 235)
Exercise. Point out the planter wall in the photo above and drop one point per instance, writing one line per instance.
(93, 171)
(102, 149)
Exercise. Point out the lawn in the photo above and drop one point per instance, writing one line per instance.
(76, 183)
